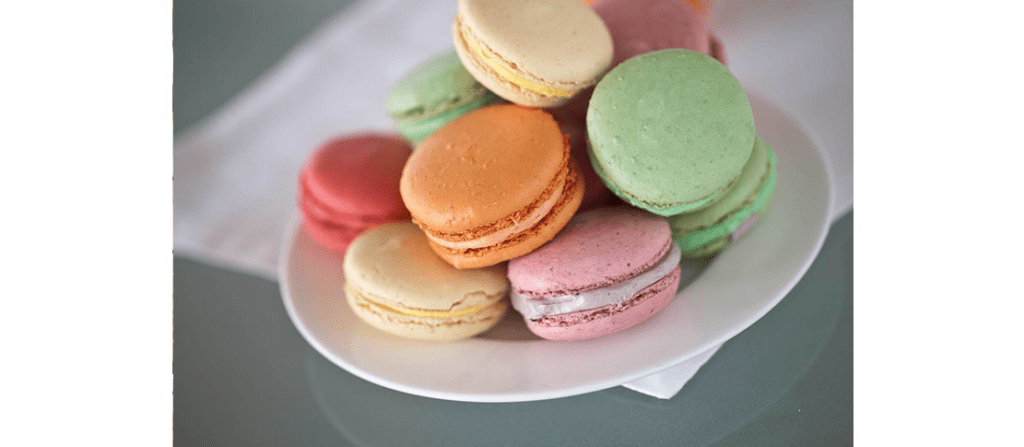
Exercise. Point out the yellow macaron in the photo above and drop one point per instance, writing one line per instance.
(395, 283)
(535, 53)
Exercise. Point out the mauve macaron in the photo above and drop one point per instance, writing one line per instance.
(350, 184)
(643, 26)
(595, 193)
(609, 269)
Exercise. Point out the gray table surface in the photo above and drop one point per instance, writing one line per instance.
(244, 376)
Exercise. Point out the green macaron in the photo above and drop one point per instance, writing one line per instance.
(434, 94)
(670, 130)
(709, 230)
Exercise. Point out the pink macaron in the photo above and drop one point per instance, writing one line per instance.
(350, 184)
(643, 26)
(609, 269)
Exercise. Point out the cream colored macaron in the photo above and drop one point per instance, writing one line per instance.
(395, 283)
(535, 53)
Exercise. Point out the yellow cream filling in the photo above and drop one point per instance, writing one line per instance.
(430, 313)
(512, 76)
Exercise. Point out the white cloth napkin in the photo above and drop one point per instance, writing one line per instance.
(235, 175)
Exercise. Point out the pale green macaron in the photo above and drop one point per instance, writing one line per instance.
(433, 94)
(710, 230)
(670, 130)
(395, 283)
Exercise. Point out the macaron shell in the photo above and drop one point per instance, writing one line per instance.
(350, 184)
(430, 329)
(637, 29)
(394, 263)
(559, 39)
(559, 44)
(596, 249)
(432, 87)
(334, 237)
(722, 242)
(609, 319)
(358, 174)
(670, 131)
(394, 282)
(526, 241)
(595, 193)
(498, 84)
(643, 26)
(716, 245)
(433, 94)
(483, 167)
(709, 230)
(316, 211)
(418, 130)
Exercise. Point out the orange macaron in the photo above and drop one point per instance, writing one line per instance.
(492, 185)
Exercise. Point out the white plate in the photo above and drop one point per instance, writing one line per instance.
(507, 364)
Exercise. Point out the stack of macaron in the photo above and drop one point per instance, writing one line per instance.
(609, 269)
(350, 184)
(702, 166)
(561, 160)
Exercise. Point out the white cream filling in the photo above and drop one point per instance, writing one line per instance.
(496, 237)
(534, 308)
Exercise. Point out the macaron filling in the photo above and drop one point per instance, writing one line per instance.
(361, 298)
(513, 226)
(504, 69)
(636, 309)
(519, 226)
(535, 308)
(428, 313)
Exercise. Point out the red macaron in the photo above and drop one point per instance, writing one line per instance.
(350, 184)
